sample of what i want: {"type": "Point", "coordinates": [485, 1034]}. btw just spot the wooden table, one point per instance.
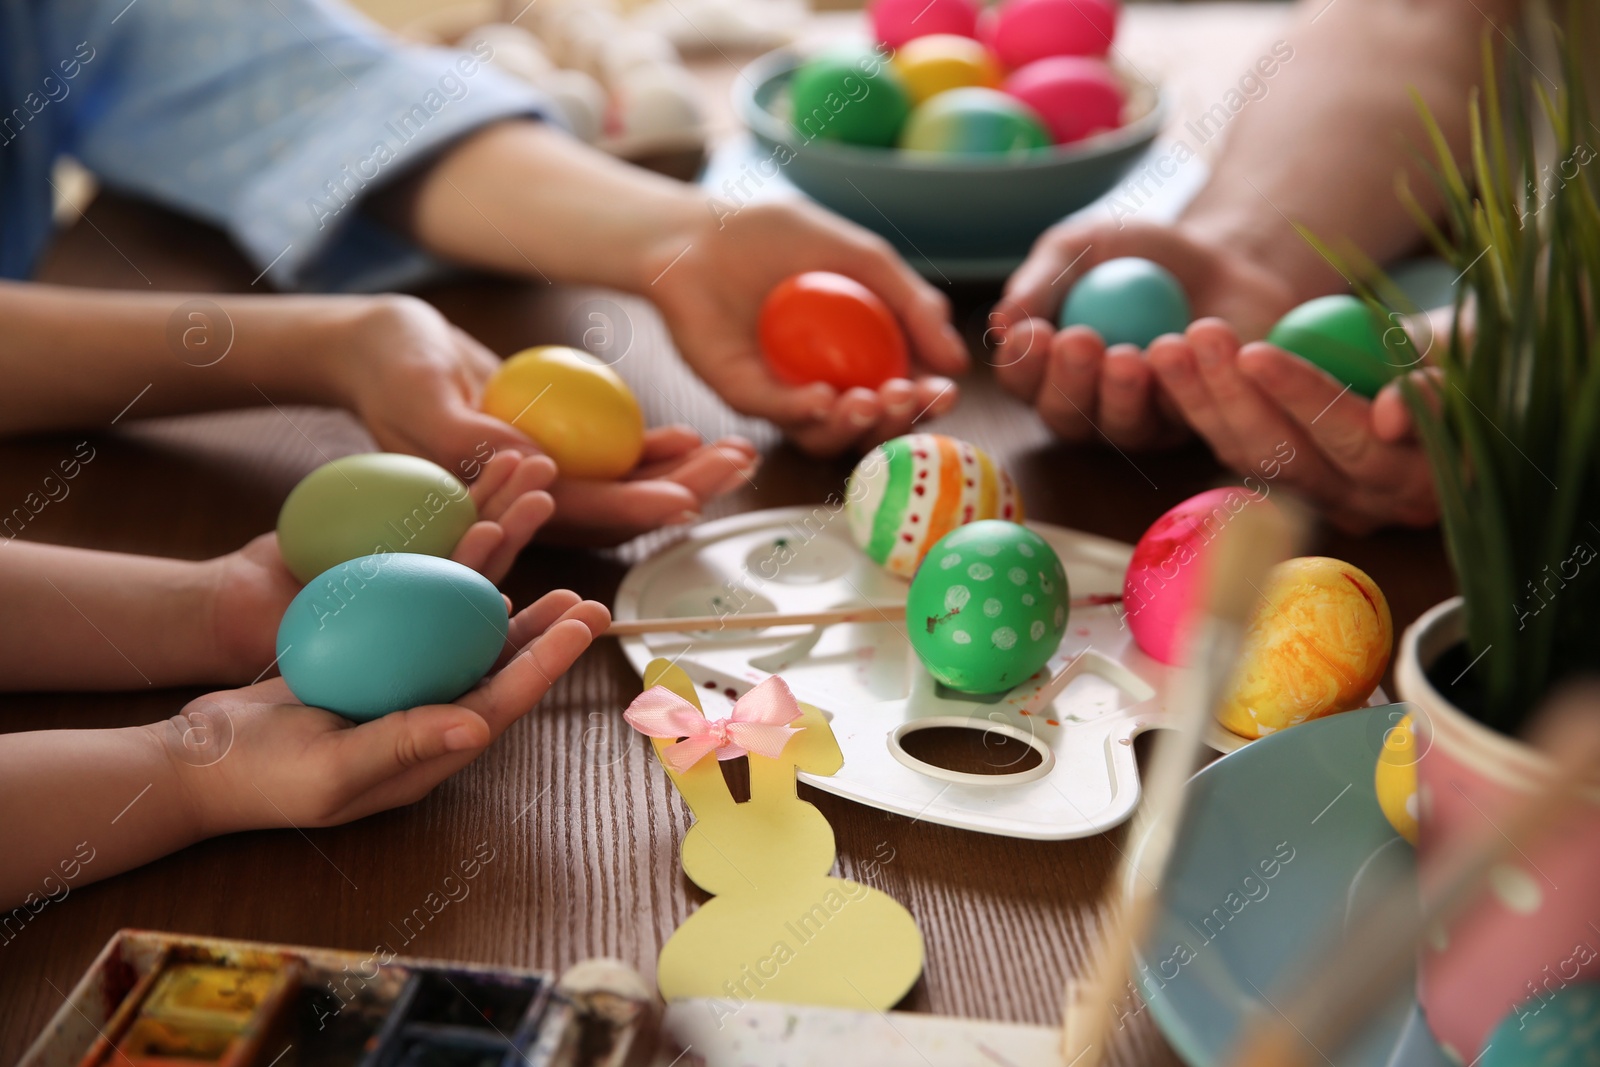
{"type": "Point", "coordinates": [585, 829]}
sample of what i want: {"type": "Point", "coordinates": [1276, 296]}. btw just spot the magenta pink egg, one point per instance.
{"type": "Point", "coordinates": [1077, 96]}
{"type": "Point", "coordinates": [1164, 582]}
{"type": "Point", "coordinates": [897, 21]}
{"type": "Point", "coordinates": [1021, 31]}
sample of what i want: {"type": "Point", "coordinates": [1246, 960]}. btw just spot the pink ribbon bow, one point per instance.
{"type": "Point", "coordinates": [759, 724]}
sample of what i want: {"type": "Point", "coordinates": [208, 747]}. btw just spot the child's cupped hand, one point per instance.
{"type": "Point", "coordinates": [255, 758]}
{"type": "Point", "coordinates": [416, 381]}
{"type": "Point", "coordinates": [254, 586]}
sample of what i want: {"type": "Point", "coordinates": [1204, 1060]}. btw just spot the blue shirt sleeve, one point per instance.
{"type": "Point", "coordinates": [274, 119]}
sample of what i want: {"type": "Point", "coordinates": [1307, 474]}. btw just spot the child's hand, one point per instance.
{"type": "Point", "coordinates": [416, 381]}
{"type": "Point", "coordinates": [675, 478]}
{"type": "Point", "coordinates": [1289, 425]}
{"type": "Point", "coordinates": [1084, 391]}
{"type": "Point", "coordinates": [254, 586]}
{"type": "Point", "coordinates": [254, 758]}
{"type": "Point", "coordinates": [710, 283]}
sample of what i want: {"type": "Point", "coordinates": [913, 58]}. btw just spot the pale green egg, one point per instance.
{"type": "Point", "coordinates": [373, 502]}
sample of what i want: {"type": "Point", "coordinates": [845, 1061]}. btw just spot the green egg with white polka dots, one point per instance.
{"type": "Point", "coordinates": [987, 607]}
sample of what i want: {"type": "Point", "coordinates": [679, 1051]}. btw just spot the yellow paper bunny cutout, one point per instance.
{"type": "Point", "coordinates": [778, 927]}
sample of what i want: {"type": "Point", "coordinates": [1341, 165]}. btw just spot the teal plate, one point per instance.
{"type": "Point", "coordinates": [1283, 849]}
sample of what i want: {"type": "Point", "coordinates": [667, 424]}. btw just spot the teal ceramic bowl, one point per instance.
{"type": "Point", "coordinates": [937, 207]}
{"type": "Point", "coordinates": [1284, 847]}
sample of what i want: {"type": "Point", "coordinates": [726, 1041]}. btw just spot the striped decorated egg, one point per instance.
{"type": "Point", "coordinates": [907, 493]}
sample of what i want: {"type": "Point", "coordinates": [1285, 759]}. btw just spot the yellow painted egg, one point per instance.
{"type": "Point", "coordinates": [574, 407]}
{"type": "Point", "coordinates": [1319, 644]}
{"type": "Point", "coordinates": [942, 61]}
{"type": "Point", "coordinates": [1396, 779]}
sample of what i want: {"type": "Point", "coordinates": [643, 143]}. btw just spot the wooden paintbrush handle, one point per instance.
{"type": "Point", "coordinates": [762, 620]}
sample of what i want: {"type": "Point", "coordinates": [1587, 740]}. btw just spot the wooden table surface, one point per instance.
{"type": "Point", "coordinates": [584, 828]}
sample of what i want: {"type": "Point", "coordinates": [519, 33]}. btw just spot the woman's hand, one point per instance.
{"type": "Point", "coordinates": [255, 757]}
{"type": "Point", "coordinates": [1084, 391]}
{"type": "Point", "coordinates": [710, 280]}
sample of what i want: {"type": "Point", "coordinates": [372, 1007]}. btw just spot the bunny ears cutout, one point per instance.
{"type": "Point", "coordinates": [759, 724]}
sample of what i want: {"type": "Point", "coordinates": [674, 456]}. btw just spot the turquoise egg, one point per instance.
{"type": "Point", "coordinates": [974, 121]}
{"type": "Point", "coordinates": [388, 632]}
{"type": "Point", "coordinates": [1560, 1029]}
{"type": "Point", "coordinates": [851, 95]}
{"type": "Point", "coordinates": [1127, 301]}
{"type": "Point", "coordinates": [372, 502]}
{"type": "Point", "coordinates": [987, 607]}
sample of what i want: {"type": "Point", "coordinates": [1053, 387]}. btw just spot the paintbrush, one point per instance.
{"type": "Point", "coordinates": [1255, 540]}
{"type": "Point", "coordinates": [762, 620]}
{"type": "Point", "coordinates": [1359, 975]}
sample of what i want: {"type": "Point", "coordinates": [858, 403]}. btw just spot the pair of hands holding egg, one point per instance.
{"type": "Point", "coordinates": [1252, 402]}
{"type": "Point", "coordinates": [418, 383]}
{"type": "Point", "coordinates": [258, 757]}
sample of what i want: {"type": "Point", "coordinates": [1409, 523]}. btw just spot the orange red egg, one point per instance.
{"type": "Point", "coordinates": [825, 327]}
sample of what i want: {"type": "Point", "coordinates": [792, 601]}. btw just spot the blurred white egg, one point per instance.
{"type": "Point", "coordinates": [706, 25]}
{"type": "Point", "coordinates": [546, 14]}
{"type": "Point", "coordinates": [580, 99]}
{"type": "Point", "coordinates": [586, 48]}
{"type": "Point", "coordinates": [512, 49]}
{"type": "Point", "coordinates": [657, 101]}
{"type": "Point", "coordinates": [635, 49]}
{"type": "Point", "coordinates": [579, 30]}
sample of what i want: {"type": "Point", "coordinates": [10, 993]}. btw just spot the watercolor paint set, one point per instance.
{"type": "Point", "coordinates": [170, 1000]}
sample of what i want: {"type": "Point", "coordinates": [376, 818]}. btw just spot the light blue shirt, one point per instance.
{"type": "Point", "coordinates": [271, 119]}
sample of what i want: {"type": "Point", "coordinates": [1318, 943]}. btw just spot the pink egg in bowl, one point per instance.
{"type": "Point", "coordinates": [1021, 31]}
{"type": "Point", "coordinates": [1075, 95]}
{"type": "Point", "coordinates": [894, 22]}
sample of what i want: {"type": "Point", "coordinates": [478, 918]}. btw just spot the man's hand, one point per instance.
{"type": "Point", "coordinates": [1270, 414]}
{"type": "Point", "coordinates": [1083, 390]}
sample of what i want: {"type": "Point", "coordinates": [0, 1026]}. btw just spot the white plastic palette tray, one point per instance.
{"type": "Point", "coordinates": [874, 689]}
{"type": "Point", "coordinates": [875, 692]}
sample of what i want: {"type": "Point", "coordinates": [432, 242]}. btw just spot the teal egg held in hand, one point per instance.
{"type": "Point", "coordinates": [388, 632]}
{"type": "Point", "coordinates": [1343, 336]}
{"type": "Point", "coordinates": [372, 502]}
{"type": "Point", "coordinates": [1127, 301]}
{"type": "Point", "coordinates": [851, 95]}
{"type": "Point", "coordinates": [988, 606]}
{"type": "Point", "coordinates": [974, 121]}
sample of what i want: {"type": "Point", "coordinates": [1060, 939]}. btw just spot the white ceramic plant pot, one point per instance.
{"type": "Point", "coordinates": [1537, 927]}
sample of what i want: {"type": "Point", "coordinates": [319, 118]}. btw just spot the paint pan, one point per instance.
{"type": "Point", "coordinates": [450, 1018]}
